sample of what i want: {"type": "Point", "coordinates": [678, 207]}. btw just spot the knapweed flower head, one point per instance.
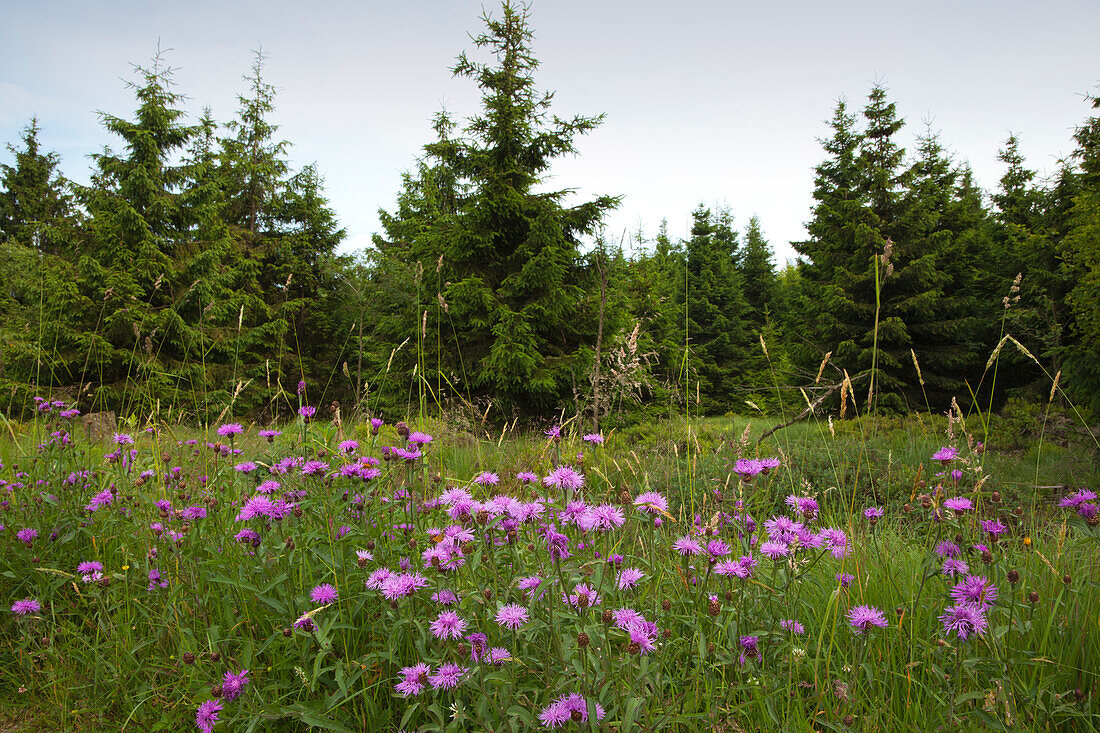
{"type": "Point", "coordinates": [270, 435]}
{"type": "Point", "coordinates": [959, 504]}
{"type": "Point", "coordinates": [233, 684]}
{"type": "Point", "coordinates": [746, 468]}
{"type": "Point", "coordinates": [123, 439]}
{"type": "Point", "coordinates": [26, 606]}
{"type": "Point", "coordinates": [324, 593]}
{"type": "Point", "coordinates": [307, 411]}
{"type": "Point", "coordinates": [245, 467]}
{"type": "Point", "coordinates": [964, 619]}
{"type": "Point", "coordinates": [527, 477]}
{"type": "Point", "coordinates": [775, 550]}
{"type": "Point", "coordinates": [418, 438]}
{"type": "Point", "coordinates": [953, 566]}
{"type": "Point", "coordinates": [792, 626]}
{"type": "Point", "coordinates": [512, 616]}
{"type": "Point", "coordinates": [26, 535]}
{"type": "Point", "coordinates": [562, 710]}
{"type": "Point", "coordinates": [975, 589]}
{"type": "Point", "coordinates": [629, 577]}
{"type": "Point", "coordinates": [1074, 501]}
{"type": "Point", "coordinates": [231, 428]}
{"type": "Point", "coordinates": [582, 597]}
{"type": "Point", "coordinates": [207, 715]}
{"type": "Point", "coordinates": [688, 546]}
{"type": "Point", "coordinates": [593, 438]}
{"type": "Point", "coordinates": [447, 676]}
{"type": "Point", "coordinates": [994, 527]}
{"type": "Point", "coordinates": [862, 618]}
{"type": "Point", "coordinates": [651, 502]}
{"type": "Point", "coordinates": [873, 512]}
{"type": "Point", "coordinates": [413, 680]}
{"type": "Point", "coordinates": [946, 454]}
{"type": "Point", "coordinates": [487, 478]}
{"type": "Point", "coordinates": [445, 597]}
{"type": "Point", "coordinates": [448, 625]}
{"type": "Point", "coordinates": [90, 571]}
{"type": "Point", "coordinates": [806, 506]}
{"type": "Point", "coordinates": [347, 447]}
{"type": "Point", "coordinates": [845, 579]}
{"type": "Point", "coordinates": [553, 432]}
{"type": "Point", "coordinates": [564, 477]}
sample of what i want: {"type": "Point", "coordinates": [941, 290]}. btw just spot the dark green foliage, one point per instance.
{"type": "Point", "coordinates": [500, 258]}
{"type": "Point", "coordinates": [36, 208]}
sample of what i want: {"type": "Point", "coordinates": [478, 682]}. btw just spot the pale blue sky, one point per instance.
{"type": "Point", "coordinates": [720, 102]}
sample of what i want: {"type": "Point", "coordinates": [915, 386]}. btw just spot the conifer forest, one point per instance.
{"type": "Point", "coordinates": [507, 469]}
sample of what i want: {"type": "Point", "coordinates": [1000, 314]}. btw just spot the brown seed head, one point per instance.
{"type": "Point", "coordinates": [583, 640]}
{"type": "Point", "coordinates": [1032, 597]}
{"type": "Point", "coordinates": [1066, 579]}
{"type": "Point", "coordinates": [216, 691]}
{"type": "Point", "coordinates": [188, 658]}
{"type": "Point", "coordinates": [607, 617]}
{"type": "Point", "coordinates": [1013, 576]}
{"type": "Point", "coordinates": [666, 604]}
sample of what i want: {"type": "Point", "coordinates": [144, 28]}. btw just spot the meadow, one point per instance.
{"type": "Point", "coordinates": [868, 574]}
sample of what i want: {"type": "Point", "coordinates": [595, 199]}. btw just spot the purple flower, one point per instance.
{"type": "Point", "coordinates": [651, 502]}
{"type": "Point", "coordinates": [246, 467]}
{"type": "Point", "coordinates": [863, 618]}
{"type": "Point", "coordinates": [954, 566]}
{"type": "Point", "coordinates": [487, 478]}
{"type": "Point", "coordinates": [232, 684]}
{"type": "Point", "coordinates": [448, 625]}
{"type": "Point", "coordinates": [993, 527]}
{"type": "Point", "coordinates": [593, 438]}
{"type": "Point", "coordinates": [835, 541]}
{"type": "Point", "coordinates": [946, 454]}
{"type": "Point", "coordinates": [746, 468]}
{"type": "Point", "coordinates": [528, 585]}
{"type": "Point", "coordinates": [271, 435]}
{"type": "Point", "coordinates": [527, 477]}
{"type": "Point", "coordinates": [873, 512]}
{"type": "Point", "coordinates": [349, 446]}
{"type": "Point", "coordinates": [775, 550]}
{"type": "Point", "coordinates": [947, 548]}
{"type": "Point", "coordinates": [688, 545]}
{"type": "Point", "coordinates": [564, 477]}
{"type": "Point", "coordinates": [804, 505]}
{"type": "Point", "coordinates": [629, 577]}
{"type": "Point", "coordinates": [512, 616]}
{"type": "Point", "coordinates": [582, 591]}
{"type": "Point", "coordinates": [26, 606]}
{"type": "Point", "coordinates": [90, 571]}
{"type": "Point", "coordinates": [445, 598]}
{"type": "Point", "coordinates": [323, 594]}
{"type": "Point", "coordinates": [414, 680]}
{"type": "Point", "coordinates": [418, 438]}
{"type": "Point", "coordinates": [27, 535]}
{"type": "Point", "coordinates": [155, 580]}
{"type": "Point", "coordinates": [307, 411]}
{"type": "Point", "coordinates": [959, 504]}
{"type": "Point", "coordinates": [1074, 501]}
{"type": "Point", "coordinates": [554, 432]}
{"type": "Point", "coordinates": [975, 589]}
{"type": "Point", "coordinates": [498, 655]}
{"type": "Point", "coordinates": [232, 428]}
{"type": "Point", "coordinates": [207, 715]}
{"type": "Point", "coordinates": [447, 676]}
{"type": "Point", "coordinates": [845, 579]}
{"type": "Point", "coordinates": [123, 439]}
{"type": "Point", "coordinates": [964, 619]}
{"type": "Point", "coordinates": [561, 710]}
{"type": "Point", "coordinates": [377, 422]}
{"type": "Point", "coordinates": [792, 626]}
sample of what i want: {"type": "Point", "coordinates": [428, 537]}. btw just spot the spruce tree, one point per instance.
{"type": "Point", "coordinates": [36, 208]}
{"type": "Point", "coordinates": [758, 274]}
{"type": "Point", "coordinates": [503, 261]}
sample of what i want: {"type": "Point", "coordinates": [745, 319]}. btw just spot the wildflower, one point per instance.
{"type": "Point", "coordinates": [487, 478]}
{"type": "Point", "coordinates": [155, 580]}
{"type": "Point", "coordinates": [792, 626]}
{"type": "Point", "coordinates": [643, 636]}
{"type": "Point", "coordinates": [499, 655]}
{"type": "Point", "coordinates": [554, 432]}
{"type": "Point", "coordinates": [301, 386]}
{"type": "Point", "coordinates": [26, 606]}
{"type": "Point", "coordinates": [964, 619]}
{"type": "Point", "coordinates": [233, 428]}
{"type": "Point", "coordinates": [993, 527]}
{"type": "Point", "coordinates": [123, 439]}
{"type": "Point", "coordinates": [946, 454]}
{"type": "Point", "coordinates": [528, 585]}
{"type": "Point", "coordinates": [193, 512]}
{"type": "Point", "coordinates": [527, 477]}
{"type": "Point", "coordinates": [863, 618]}
{"type": "Point", "coordinates": [307, 411]}
{"type": "Point", "coordinates": [718, 548]}
{"type": "Point", "coordinates": [629, 577]}
{"type": "Point", "coordinates": [954, 566]}
{"type": "Point", "coordinates": [975, 589]}
{"type": "Point", "coordinates": [376, 423]}
{"type": "Point", "coordinates": [448, 625]}
{"type": "Point", "coordinates": [775, 550]}
{"type": "Point", "coordinates": [100, 500]}
{"type": "Point", "coordinates": [248, 537]}
{"type": "Point", "coordinates": [651, 502]}
{"type": "Point", "coordinates": [767, 464]}
{"type": "Point", "coordinates": [256, 506]}
{"type": "Point", "coordinates": [1074, 501]}
{"type": "Point", "coordinates": [408, 454]}
{"type": "Point", "coordinates": [557, 544]}
{"type": "Point", "coordinates": [804, 505]}
{"type": "Point", "coordinates": [512, 616]}
{"type": "Point", "coordinates": [323, 594]}
{"type": "Point", "coordinates": [835, 541]}
{"type": "Point", "coordinates": [447, 676]}
{"type": "Point", "coordinates": [582, 597]}
{"type": "Point", "coordinates": [232, 684]}
{"type": "Point", "coordinates": [270, 435]}
{"type": "Point", "coordinates": [27, 535]}
{"type": "Point", "coordinates": [304, 622]}
{"type": "Point", "coordinates": [561, 710]}
{"type": "Point", "coordinates": [418, 438]}
{"type": "Point", "coordinates": [959, 504]}
{"type": "Point", "coordinates": [414, 680]}
{"type": "Point", "coordinates": [90, 571]}
{"type": "Point", "coordinates": [947, 548]}
{"type": "Point", "coordinates": [312, 468]}
{"type": "Point", "coordinates": [593, 438]}
{"type": "Point", "coordinates": [479, 646]}
{"type": "Point", "coordinates": [845, 579]}
{"type": "Point", "coordinates": [347, 447]}
{"type": "Point", "coordinates": [750, 647]}
{"type": "Point", "coordinates": [687, 545]}
{"type": "Point", "coordinates": [207, 715]}
{"type": "Point", "coordinates": [873, 512]}
{"type": "Point", "coordinates": [746, 468]}
{"type": "Point", "coordinates": [727, 568]}
{"type": "Point", "coordinates": [564, 477]}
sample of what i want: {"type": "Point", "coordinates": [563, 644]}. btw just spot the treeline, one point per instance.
{"type": "Point", "coordinates": [198, 270]}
